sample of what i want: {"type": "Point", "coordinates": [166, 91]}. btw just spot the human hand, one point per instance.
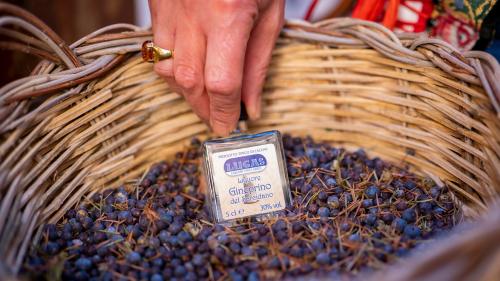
{"type": "Point", "coordinates": [222, 49]}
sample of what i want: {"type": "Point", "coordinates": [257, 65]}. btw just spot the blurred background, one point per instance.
{"type": "Point", "coordinates": [466, 24]}
{"type": "Point", "coordinates": [71, 19]}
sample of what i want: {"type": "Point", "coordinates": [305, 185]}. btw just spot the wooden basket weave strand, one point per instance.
{"type": "Point", "coordinates": [92, 114]}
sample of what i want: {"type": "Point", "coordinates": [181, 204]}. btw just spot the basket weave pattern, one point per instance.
{"type": "Point", "coordinates": [93, 115]}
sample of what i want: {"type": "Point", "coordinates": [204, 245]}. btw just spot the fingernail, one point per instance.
{"type": "Point", "coordinates": [221, 128]}
{"type": "Point", "coordinates": [258, 107]}
{"type": "Point", "coordinates": [255, 110]}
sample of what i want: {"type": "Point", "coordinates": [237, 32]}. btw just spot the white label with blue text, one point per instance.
{"type": "Point", "coordinates": [247, 181]}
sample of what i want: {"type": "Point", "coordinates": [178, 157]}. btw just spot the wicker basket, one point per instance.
{"type": "Point", "coordinates": [93, 115]}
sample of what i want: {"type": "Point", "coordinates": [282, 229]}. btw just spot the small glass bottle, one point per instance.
{"type": "Point", "coordinates": [246, 176]}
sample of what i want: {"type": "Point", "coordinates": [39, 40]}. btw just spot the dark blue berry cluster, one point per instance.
{"type": "Point", "coordinates": [349, 212]}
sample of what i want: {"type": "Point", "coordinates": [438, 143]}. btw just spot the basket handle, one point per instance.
{"type": "Point", "coordinates": [14, 15]}
{"type": "Point", "coordinates": [38, 39]}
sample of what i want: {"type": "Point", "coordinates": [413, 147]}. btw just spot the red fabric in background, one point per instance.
{"type": "Point", "coordinates": [424, 16]}
{"type": "Point", "coordinates": [387, 13]}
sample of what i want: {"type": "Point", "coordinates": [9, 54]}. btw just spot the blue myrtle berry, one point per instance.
{"type": "Point", "coordinates": [323, 212]}
{"type": "Point", "coordinates": [331, 182]}
{"type": "Point", "coordinates": [156, 277]}
{"type": "Point", "coordinates": [399, 193]}
{"type": "Point", "coordinates": [317, 244]}
{"type": "Point", "coordinates": [439, 211]}
{"type": "Point", "coordinates": [355, 237]}
{"type": "Point", "coordinates": [412, 231]}
{"type": "Point", "coordinates": [425, 207]}
{"type": "Point", "coordinates": [51, 248]}
{"type": "Point", "coordinates": [333, 201]}
{"type": "Point", "coordinates": [83, 263]}
{"type": "Point", "coordinates": [247, 251]}
{"type": "Point", "coordinates": [410, 185]}
{"type": "Point", "coordinates": [253, 276]}
{"type": "Point", "coordinates": [133, 257]}
{"type": "Point", "coordinates": [367, 203]}
{"type": "Point", "coordinates": [409, 215]}
{"type": "Point", "coordinates": [399, 224]}
{"type": "Point", "coordinates": [323, 258]}
{"type": "Point", "coordinates": [372, 191]}
{"type": "Point", "coordinates": [371, 219]}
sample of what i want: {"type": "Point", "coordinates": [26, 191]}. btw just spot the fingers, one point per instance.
{"type": "Point", "coordinates": [188, 65]}
{"type": "Point", "coordinates": [212, 51]}
{"type": "Point", "coordinates": [226, 46]}
{"type": "Point", "coordinates": [258, 56]}
{"type": "Point", "coordinates": [164, 26]}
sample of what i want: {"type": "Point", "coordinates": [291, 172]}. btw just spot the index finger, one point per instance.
{"type": "Point", "coordinates": [226, 48]}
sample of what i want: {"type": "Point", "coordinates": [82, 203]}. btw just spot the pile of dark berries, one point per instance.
{"type": "Point", "coordinates": [349, 213]}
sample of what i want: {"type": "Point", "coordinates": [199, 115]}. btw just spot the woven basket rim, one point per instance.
{"type": "Point", "coordinates": [349, 32]}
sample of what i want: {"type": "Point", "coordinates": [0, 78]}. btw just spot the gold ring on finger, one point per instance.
{"type": "Point", "coordinates": [152, 53]}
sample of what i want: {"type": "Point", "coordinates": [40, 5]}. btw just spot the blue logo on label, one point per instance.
{"type": "Point", "coordinates": [245, 164]}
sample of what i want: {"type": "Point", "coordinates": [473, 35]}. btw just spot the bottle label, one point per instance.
{"type": "Point", "coordinates": [247, 181]}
